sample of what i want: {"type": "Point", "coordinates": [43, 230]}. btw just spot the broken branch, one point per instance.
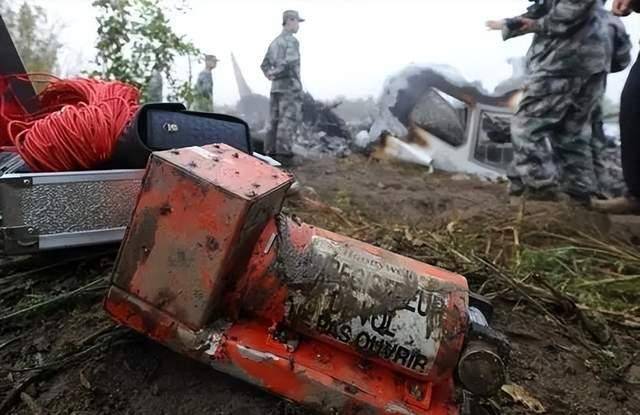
{"type": "Point", "coordinates": [58, 299]}
{"type": "Point", "coordinates": [517, 287]}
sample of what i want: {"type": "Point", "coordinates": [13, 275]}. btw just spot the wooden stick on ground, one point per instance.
{"type": "Point", "coordinates": [519, 289]}
{"type": "Point", "coordinates": [60, 298]}
{"type": "Point", "coordinates": [32, 404]}
{"type": "Point", "coordinates": [11, 341]}
{"type": "Point", "coordinates": [17, 276]}
{"type": "Point", "coordinates": [10, 399]}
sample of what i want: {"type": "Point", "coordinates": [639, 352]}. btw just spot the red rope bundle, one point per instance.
{"type": "Point", "coordinates": [80, 122]}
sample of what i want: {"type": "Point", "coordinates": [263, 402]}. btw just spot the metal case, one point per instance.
{"type": "Point", "coordinates": [41, 211]}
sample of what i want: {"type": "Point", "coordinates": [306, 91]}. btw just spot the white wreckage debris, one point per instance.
{"type": "Point", "coordinates": [390, 147]}
{"type": "Point", "coordinates": [444, 118]}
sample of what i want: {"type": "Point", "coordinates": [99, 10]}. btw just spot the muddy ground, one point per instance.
{"type": "Point", "coordinates": [123, 373]}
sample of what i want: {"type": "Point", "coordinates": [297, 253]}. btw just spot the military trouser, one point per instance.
{"type": "Point", "coordinates": [551, 134]}
{"type": "Point", "coordinates": [202, 103]}
{"type": "Point", "coordinates": [286, 116]}
{"type": "Point", "coordinates": [607, 167]}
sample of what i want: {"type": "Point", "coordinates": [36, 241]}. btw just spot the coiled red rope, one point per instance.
{"type": "Point", "coordinates": [78, 125]}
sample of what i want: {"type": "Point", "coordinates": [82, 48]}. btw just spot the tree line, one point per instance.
{"type": "Point", "coordinates": [134, 40]}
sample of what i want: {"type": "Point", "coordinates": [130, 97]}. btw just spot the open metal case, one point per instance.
{"type": "Point", "coordinates": [40, 211]}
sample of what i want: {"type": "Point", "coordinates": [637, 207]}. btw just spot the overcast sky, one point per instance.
{"type": "Point", "coordinates": [349, 47]}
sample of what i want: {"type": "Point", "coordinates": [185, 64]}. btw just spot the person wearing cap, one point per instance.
{"type": "Point", "coordinates": [203, 101]}
{"type": "Point", "coordinates": [281, 65]}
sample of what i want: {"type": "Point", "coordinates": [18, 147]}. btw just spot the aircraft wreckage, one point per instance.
{"type": "Point", "coordinates": [445, 118]}
{"type": "Point", "coordinates": [427, 115]}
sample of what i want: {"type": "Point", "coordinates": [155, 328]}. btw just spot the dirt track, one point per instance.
{"type": "Point", "coordinates": [138, 377]}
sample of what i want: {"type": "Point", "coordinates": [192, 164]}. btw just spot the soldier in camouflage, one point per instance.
{"type": "Point", "coordinates": [566, 70]}
{"type": "Point", "coordinates": [281, 65]}
{"type": "Point", "coordinates": [608, 177]}
{"type": "Point", "coordinates": [203, 99]}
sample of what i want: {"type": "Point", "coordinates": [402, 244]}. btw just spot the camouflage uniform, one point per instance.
{"type": "Point", "coordinates": [608, 176]}
{"type": "Point", "coordinates": [551, 130]}
{"type": "Point", "coordinates": [282, 64]}
{"type": "Point", "coordinates": [203, 100]}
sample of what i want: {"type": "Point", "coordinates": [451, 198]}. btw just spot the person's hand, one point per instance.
{"type": "Point", "coordinates": [622, 7]}
{"type": "Point", "coordinates": [495, 24]}
{"type": "Point", "coordinates": [526, 24]}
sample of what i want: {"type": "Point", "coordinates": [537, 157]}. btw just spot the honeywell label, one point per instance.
{"type": "Point", "coordinates": [375, 305]}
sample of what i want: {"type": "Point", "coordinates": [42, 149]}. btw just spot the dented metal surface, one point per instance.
{"type": "Point", "coordinates": [189, 267]}
{"type": "Point", "coordinates": [378, 303]}
{"type": "Point", "coordinates": [256, 355]}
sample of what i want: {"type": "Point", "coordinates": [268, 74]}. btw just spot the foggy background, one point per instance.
{"type": "Point", "coordinates": [349, 47]}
